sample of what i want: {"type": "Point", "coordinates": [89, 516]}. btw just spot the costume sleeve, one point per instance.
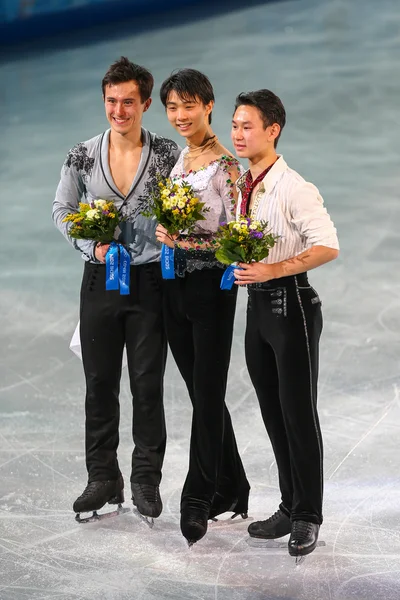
{"type": "Point", "coordinates": [311, 218]}
{"type": "Point", "coordinates": [176, 152]}
{"type": "Point", "coordinates": [69, 192]}
{"type": "Point", "coordinates": [224, 182]}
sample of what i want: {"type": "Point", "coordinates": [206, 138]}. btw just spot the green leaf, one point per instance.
{"type": "Point", "coordinates": [226, 257]}
{"type": "Point", "coordinates": [240, 251]}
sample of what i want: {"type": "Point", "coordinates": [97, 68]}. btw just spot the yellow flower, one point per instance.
{"type": "Point", "coordinates": [111, 215]}
{"type": "Point", "coordinates": [167, 204]}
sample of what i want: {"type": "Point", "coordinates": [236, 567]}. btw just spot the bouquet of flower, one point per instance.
{"type": "Point", "coordinates": [98, 221]}
{"type": "Point", "coordinates": [94, 221]}
{"type": "Point", "coordinates": [174, 204]}
{"type": "Point", "coordinates": [176, 207]}
{"type": "Point", "coordinates": [246, 240]}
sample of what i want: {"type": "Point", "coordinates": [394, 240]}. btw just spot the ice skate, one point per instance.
{"type": "Point", "coordinates": [233, 519]}
{"type": "Point", "coordinates": [194, 520]}
{"type": "Point", "coordinates": [193, 526]}
{"type": "Point", "coordinates": [147, 501]}
{"type": "Point", "coordinates": [303, 539]}
{"type": "Point", "coordinates": [95, 496]}
{"type": "Point", "coordinates": [276, 526]}
{"type": "Point", "coordinates": [239, 507]}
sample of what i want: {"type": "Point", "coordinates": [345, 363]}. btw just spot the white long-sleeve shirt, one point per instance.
{"type": "Point", "coordinates": [294, 210]}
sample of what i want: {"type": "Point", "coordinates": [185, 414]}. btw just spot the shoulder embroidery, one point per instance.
{"type": "Point", "coordinates": [162, 160]}
{"type": "Point", "coordinates": [161, 163]}
{"type": "Point", "coordinates": [163, 157]}
{"type": "Point", "coordinates": [227, 164]}
{"type": "Point", "coordinates": [78, 157]}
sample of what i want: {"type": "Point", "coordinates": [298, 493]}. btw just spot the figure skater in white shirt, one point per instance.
{"type": "Point", "coordinates": [284, 319]}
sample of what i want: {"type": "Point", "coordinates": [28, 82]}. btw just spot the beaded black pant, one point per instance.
{"type": "Point", "coordinates": [284, 323]}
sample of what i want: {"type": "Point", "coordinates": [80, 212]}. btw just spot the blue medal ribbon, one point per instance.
{"type": "Point", "coordinates": [117, 269]}
{"type": "Point", "coordinates": [112, 281]}
{"type": "Point", "coordinates": [124, 270]}
{"type": "Point", "coordinates": [228, 278]}
{"type": "Point", "coordinates": [167, 262]}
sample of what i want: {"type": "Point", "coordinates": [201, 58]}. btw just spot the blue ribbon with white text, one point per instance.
{"type": "Point", "coordinates": [228, 278]}
{"type": "Point", "coordinates": [118, 269]}
{"type": "Point", "coordinates": [168, 262]}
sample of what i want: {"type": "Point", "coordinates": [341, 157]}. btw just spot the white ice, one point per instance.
{"type": "Point", "coordinates": [336, 66]}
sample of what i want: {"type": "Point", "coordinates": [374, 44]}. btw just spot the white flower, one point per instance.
{"type": "Point", "coordinates": [100, 203]}
{"type": "Point", "coordinates": [92, 214]}
{"type": "Point", "coordinates": [180, 204]}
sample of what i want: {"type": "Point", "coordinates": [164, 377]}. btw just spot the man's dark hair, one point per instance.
{"type": "Point", "coordinates": [124, 70]}
{"type": "Point", "coordinates": [190, 85]}
{"type": "Point", "coordinates": [269, 106]}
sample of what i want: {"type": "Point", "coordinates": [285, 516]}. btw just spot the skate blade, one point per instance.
{"type": "Point", "coordinates": [274, 544]}
{"type": "Point", "coordinates": [243, 515]}
{"type": "Point", "coordinates": [148, 520]}
{"type": "Point", "coordinates": [230, 519]}
{"type": "Point", "coordinates": [95, 517]}
{"type": "Point", "coordinates": [301, 557]}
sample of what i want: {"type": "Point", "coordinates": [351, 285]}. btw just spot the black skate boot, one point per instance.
{"type": "Point", "coordinates": [275, 527]}
{"type": "Point", "coordinates": [96, 495]}
{"type": "Point", "coordinates": [147, 499]}
{"type": "Point", "coordinates": [194, 520]}
{"type": "Point", "coordinates": [303, 539]}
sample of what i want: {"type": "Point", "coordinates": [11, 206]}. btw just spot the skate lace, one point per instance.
{"type": "Point", "coordinates": [301, 529]}
{"type": "Point", "coordinates": [89, 489]}
{"type": "Point", "coordinates": [275, 517]}
{"type": "Point", "coordinates": [150, 492]}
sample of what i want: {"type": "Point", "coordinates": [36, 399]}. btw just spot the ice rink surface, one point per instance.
{"type": "Point", "coordinates": [336, 66]}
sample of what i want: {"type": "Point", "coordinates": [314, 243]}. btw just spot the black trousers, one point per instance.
{"type": "Point", "coordinates": [199, 321]}
{"type": "Point", "coordinates": [109, 322]}
{"type": "Point", "coordinates": [284, 323]}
